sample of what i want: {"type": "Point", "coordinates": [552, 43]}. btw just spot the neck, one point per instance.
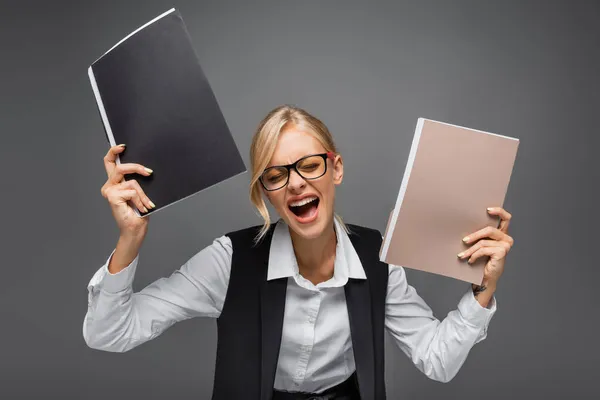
{"type": "Point", "coordinates": [316, 257]}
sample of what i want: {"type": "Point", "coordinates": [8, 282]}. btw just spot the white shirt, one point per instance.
{"type": "Point", "coordinates": [316, 346]}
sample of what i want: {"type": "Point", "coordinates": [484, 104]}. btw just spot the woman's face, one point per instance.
{"type": "Point", "coordinates": [310, 220]}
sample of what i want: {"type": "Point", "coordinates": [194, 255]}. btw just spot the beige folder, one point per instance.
{"type": "Point", "coordinates": [453, 174]}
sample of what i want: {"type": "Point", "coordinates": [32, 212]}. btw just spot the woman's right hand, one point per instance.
{"type": "Point", "coordinates": [118, 192]}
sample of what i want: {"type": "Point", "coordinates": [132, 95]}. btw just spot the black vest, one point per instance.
{"type": "Point", "coordinates": [251, 321]}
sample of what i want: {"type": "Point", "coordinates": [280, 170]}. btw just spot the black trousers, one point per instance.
{"type": "Point", "coordinates": [347, 390]}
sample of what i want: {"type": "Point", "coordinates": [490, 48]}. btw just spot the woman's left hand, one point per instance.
{"type": "Point", "coordinates": [496, 244]}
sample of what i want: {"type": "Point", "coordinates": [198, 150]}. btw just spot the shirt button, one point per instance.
{"type": "Point", "coordinates": [311, 319]}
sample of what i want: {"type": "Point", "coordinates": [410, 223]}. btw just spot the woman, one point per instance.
{"type": "Point", "coordinates": [302, 304]}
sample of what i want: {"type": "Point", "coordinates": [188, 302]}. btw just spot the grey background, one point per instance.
{"type": "Point", "coordinates": [369, 70]}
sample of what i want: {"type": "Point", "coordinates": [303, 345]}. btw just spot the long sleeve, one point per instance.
{"type": "Point", "coordinates": [437, 348]}
{"type": "Point", "coordinates": [118, 319]}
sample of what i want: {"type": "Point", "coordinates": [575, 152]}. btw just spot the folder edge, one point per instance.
{"type": "Point", "coordinates": [411, 159]}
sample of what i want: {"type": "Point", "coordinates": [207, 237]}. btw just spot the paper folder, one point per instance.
{"type": "Point", "coordinates": [452, 175]}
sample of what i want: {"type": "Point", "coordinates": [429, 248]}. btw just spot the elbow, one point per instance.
{"type": "Point", "coordinates": [91, 340]}
{"type": "Point", "coordinates": [437, 367]}
{"type": "Point", "coordinates": [95, 341]}
{"type": "Point", "coordinates": [442, 378]}
{"type": "Point", "coordinates": [104, 345]}
{"type": "Point", "coordinates": [439, 374]}
{"type": "Point", "coordinates": [88, 337]}
{"type": "Point", "coordinates": [92, 344]}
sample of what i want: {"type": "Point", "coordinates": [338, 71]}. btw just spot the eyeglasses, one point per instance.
{"type": "Point", "coordinates": [309, 167]}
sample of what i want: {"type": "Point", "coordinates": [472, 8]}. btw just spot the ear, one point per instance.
{"type": "Point", "coordinates": [338, 169]}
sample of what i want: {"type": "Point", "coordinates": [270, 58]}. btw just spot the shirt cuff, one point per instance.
{"type": "Point", "coordinates": [473, 312]}
{"type": "Point", "coordinates": [114, 283]}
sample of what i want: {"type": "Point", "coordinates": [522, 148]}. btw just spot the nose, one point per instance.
{"type": "Point", "coordinates": [296, 181]}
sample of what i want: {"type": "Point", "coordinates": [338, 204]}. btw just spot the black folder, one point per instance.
{"type": "Point", "coordinates": [153, 95]}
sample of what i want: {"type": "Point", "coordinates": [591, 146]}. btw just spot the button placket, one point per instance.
{"type": "Point", "coordinates": [309, 337]}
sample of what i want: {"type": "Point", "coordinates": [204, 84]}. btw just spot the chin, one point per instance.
{"type": "Point", "coordinates": [307, 232]}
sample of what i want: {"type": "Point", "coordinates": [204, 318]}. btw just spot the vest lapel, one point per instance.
{"type": "Point", "coordinates": [272, 306]}
{"type": "Point", "coordinates": [358, 301]}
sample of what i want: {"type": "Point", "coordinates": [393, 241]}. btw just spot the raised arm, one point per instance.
{"type": "Point", "coordinates": [118, 319]}
{"type": "Point", "coordinates": [437, 348]}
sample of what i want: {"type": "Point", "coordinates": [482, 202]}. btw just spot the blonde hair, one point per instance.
{"type": "Point", "coordinates": [263, 146]}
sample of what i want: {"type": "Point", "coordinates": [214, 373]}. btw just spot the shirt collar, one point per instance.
{"type": "Point", "coordinates": [283, 263]}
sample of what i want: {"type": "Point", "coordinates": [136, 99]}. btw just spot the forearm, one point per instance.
{"type": "Point", "coordinates": [437, 348]}
{"type": "Point", "coordinates": [440, 348]}
{"type": "Point", "coordinates": [114, 321]}
{"type": "Point", "coordinates": [119, 319]}
{"type": "Point", "coordinates": [111, 325]}
{"type": "Point", "coordinates": [484, 292]}
{"type": "Point", "coordinates": [126, 250]}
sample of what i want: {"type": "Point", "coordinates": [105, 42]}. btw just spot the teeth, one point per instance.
{"type": "Point", "coordinates": [303, 201]}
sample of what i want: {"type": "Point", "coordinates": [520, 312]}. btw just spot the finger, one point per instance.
{"type": "Point", "coordinates": [133, 184]}
{"type": "Point", "coordinates": [118, 194]}
{"type": "Point", "coordinates": [482, 243]}
{"type": "Point", "coordinates": [504, 215]}
{"type": "Point", "coordinates": [110, 159]}
{"type": "Point", "coordinates": [487, 232]}
{"type": "Point", "coordinates": [494, 252]}
{"type": "Point", "coordinates": [134, 197]}
{"type": "Point", "coordinates": [129, 168]}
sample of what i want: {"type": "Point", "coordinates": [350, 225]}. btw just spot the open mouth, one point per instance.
{"type": "Point", "coordinates": [305, 208]}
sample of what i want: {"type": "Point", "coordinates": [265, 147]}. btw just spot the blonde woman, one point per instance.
{"type": "Point", "coordinates": [301, 304]}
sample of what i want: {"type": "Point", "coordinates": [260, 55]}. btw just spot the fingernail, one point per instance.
{"type": "Point", "coordinates": [152, 204]}
{"type": "Point", "coordinates": [466, 239]}
{"type": "Point", "coordinates": [148, 170]}
{"type": "Point", "coordinates": [145, 210]}
{"type": "Point", "coordinates": [122, 145]}
{"type": "Point", "coordinates": [461, 254]}
{"type": "Point", "coordinates": [489, 208]}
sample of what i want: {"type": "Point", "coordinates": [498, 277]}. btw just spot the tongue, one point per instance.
{"type": "Point", "coordinates": [305, 210]}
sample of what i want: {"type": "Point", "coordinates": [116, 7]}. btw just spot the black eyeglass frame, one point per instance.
{"type": "Point", "coordinates": [289, 167]}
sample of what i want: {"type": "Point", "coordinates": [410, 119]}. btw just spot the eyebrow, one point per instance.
{"type": "Point", "coordinates": [281, 164]}
{"type": "Point", "coordinates": [316, 152]}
